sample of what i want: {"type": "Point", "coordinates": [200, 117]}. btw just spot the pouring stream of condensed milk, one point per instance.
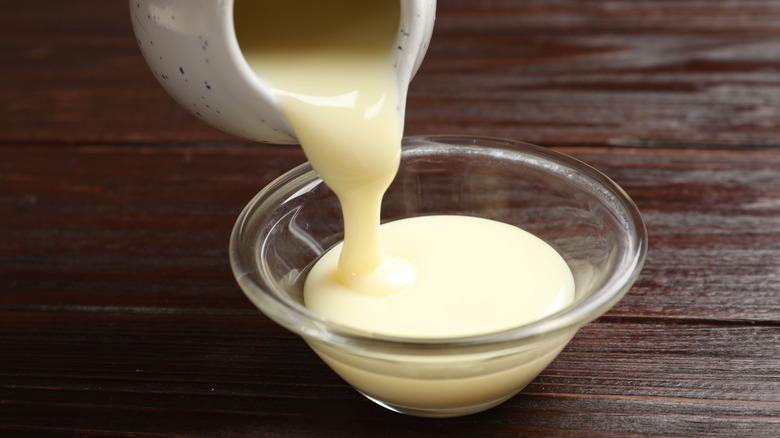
{"type": "Point", "coordinates": [330, 65]}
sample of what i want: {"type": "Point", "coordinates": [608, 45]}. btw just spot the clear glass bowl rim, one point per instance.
{"type": "Point", "coordinates": [299, 320]}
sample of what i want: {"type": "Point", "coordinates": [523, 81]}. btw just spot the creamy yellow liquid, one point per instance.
{"type": "Point", "coordinates": [331, 66]}
{"type": "Point", "coordinates": [474, 276]}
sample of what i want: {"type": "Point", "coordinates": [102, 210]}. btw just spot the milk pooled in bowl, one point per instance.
{"type": "Point", "coordinates": [331, 65]}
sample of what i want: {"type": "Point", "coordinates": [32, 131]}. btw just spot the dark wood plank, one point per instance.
{"type": "Point", "coordinates": [185, 375]}
{"type": "Point", "coordinates": [119, 315]}
{"type": "Point", "coordinates": [713, 219]}
{"type": "Point", "coordinates": [76, 75]}
{"type": "Point", "coordinates": [624, 73]}
{"type": "Point", "coordinates": [126, 227]}
{"type": "Point", "coordinates": [148, 227]}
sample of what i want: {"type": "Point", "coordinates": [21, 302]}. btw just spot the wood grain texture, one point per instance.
{"type": "Point", "coordinates": [565, 72]}
{"type": "Point", "coordinates": [713, 219]}
{"type": "Point", "coordinates": [93, 225]}
{"type": "Point", "coordinates": [225, 375]}
{"type": "Point", "coordinates": [624, 73]}
{"type": "Point", "coordinates": [119, 315]}
{"type": "Point", "coordinates": [107, 219]}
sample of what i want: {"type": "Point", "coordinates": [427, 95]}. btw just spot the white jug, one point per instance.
{"type": "Point", "coordinates": [192, 49]}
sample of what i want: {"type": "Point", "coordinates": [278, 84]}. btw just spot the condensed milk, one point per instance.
{"type": "Point", "coordinates": [331, 67]}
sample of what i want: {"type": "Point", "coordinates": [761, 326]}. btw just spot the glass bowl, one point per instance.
{"type": "Point", "coordinates": [580, 212]}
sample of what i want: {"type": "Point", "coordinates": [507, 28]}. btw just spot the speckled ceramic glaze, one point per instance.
{"type": "Point", "coordinates": [191, 47]}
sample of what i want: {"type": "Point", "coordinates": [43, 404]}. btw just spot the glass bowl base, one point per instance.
{"type": "Point", "coordinates": [439, 413]}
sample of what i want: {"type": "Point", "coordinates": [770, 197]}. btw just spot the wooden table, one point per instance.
{"type": "Point", "coordinates": [119, 315]}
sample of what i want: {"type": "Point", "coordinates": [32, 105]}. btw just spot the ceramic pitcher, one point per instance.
{"type": "Point", "coordinates": [192, 50]}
